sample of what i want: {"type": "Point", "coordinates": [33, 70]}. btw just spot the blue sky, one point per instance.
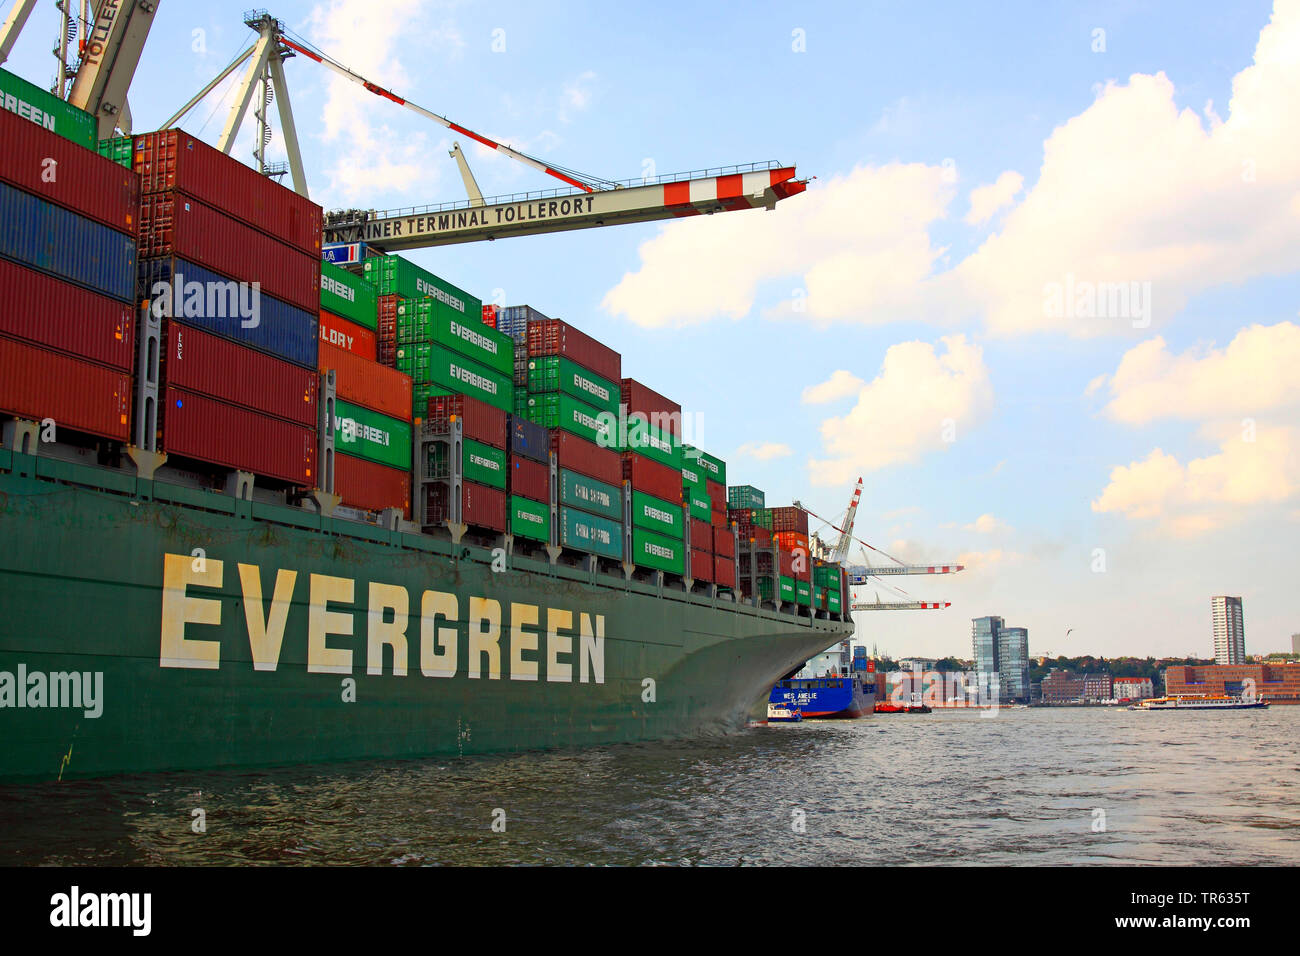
{"type": "Point", "coordinates": [901, 112]}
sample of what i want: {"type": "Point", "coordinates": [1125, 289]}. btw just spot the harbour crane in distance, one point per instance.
{"type": "Point", "coordinates": [860, 574]}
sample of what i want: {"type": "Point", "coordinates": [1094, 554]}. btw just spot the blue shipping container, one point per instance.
{"type": "Point", "coordinates": [282, 330]}
{"type": "Point", "coordinates": [529, 439]}
{"type": "Point", "coordinates": [53, 240]}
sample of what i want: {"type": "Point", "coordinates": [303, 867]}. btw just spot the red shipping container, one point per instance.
{"type": "Point", "coordinates": [530, 479]}
{"type": "Point", "coordinates": [702, 566]}
{"type": "Point", "coordinates": [586, 457]}
{"type": "Point", "coordinates": [787, 563]}
{"type": "Point", "coordinates": [349, 336]}
{"type": "Point", "coordinates": [172, 224]}
{"type": "Point", "coordinates": [370, 486]}
{"type": "Point", "coordinates": [174, 160]}
{"type": "Point", "coordinates": [83, 181]}
{"type": "Point", "coordinates": [46, 311]}
{"type": "Point", "coordinates": [490, 315]}
{"type": "Point", "coordinates": [199, 361]}
{"type": "Point", "coordinates": [365, 382]}
{"type": "Point", "coordinates": [556, 337]}
{"type": "Point", "coordinates": [637, 398]}
{"type": "Point", "coordinates": [724, 572]}
{"type": "Point", "coordinates": [205, 429]}
{"type": "Point", "coordinates": [481, 506]}
{"type": "Point", "coordinates": [716, 491]}
{"type": "Point", "coordinates": [36, 383]}
{"type": "Point", "coordinates": [479, 420]}
{"type": "Point", "coordinates": [790, 519]}
{"type": "Point", "coordinates": [761, 537]}
{"type": "Point", "coordinates": [720, 519]}
{"type": "Point", "coordinates": [724, 542]}
{"type": "Point", "coordinates": [386, 336]}
{"type": "Point", "coordinates": [790, 540]}
{"type": "Point", "coordinates": [651, 477]}
{"type": "Point", "coordinates": [701, 535]}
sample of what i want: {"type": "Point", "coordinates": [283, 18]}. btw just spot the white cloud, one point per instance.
{"type": "Point", "coordinates": [1208, 492]}
{"type": "Point", "coordinates": [841, 384]}
{"type": "Point", "coordinates": [976, 561]}
{"type": "Point", "coordinates": [373, 151]}
{"type": "Point", "coordinates": [986, 524]}
{"type": "Point", "coordinates": [763, 451]}
{"type": "Point", "coordinates": [920, 401]}
{"type": "Point", "coordinates": [1256, 373]}
{"type": "Point", "coordinates": [1133, 190]}
{"type": "Point", "coordinates": [854, 246]}
{"type": "Point", "coordinates": [987, 200]}
{"type": "Point", "coordinates": [577, 95]}
{"type": "Point", "coordinates": [1134, 197]}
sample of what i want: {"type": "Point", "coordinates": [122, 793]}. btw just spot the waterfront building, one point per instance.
{"type": "Point", "coordinates": [1065, 687]}
{"type": "Point", "coordinates": [1013, 663]}
{"type": "Point", "coordinates": [1229, 630]}
{"type": "Point", "coordinates": [1275, 683]}
{"type": "Point", "coordinates": [984, 644]}
{"type": "Point", "coordinates": [1133, 688]}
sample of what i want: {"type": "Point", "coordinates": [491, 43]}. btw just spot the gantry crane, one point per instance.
{"type": "Point", "coordinates": [859, 574]}
{"type": "Point", "coordinates": [113, 35]}
{"type": "Point", "coordinates": [583, 202]}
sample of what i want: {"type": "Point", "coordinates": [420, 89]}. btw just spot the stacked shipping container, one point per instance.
{"type": "Point", "coordinates": [67, 262]}
{"type": "Point", "coordinates": [233, 260]}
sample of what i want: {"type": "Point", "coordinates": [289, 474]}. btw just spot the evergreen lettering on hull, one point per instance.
{"type": "Point", "coordinates": [424, 634]}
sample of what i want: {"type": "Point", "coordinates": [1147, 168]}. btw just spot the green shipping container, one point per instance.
{"type": "Point", "coordinates": [828, 576]}
{"type": "Point", "coordinates": [483, 463]}
{"type": "Point", "coordinates": [745, 496]}
{"type": "Point", "coordinates": [765, 589]}
{"type": "Point", "coordinates": [833, 602]}
{"type": "Point", "coordinates": [348, 296]}
{"type": "Point", "coordinates": [700, 506]}
{"type": "Point", "coordinates": [530, 519]}
{"type": "Point", "coordinates": [714, 469]}
{"type": "Point", "coordinates": [561, 410]}
{"type": "Point", "coordinates": [393, 275]}
{"type": "Point", "coordinates": [366, 434]}
{"type": "Point", "coordinates": [647, 440]}
{"type": "Point", "coordinates": [652, 550]}
{"type": "Point", "coordinates": [762, 518]}
{"type": "Point", "coordinates": [803, 593]}
{"type": "Point", "coordinates": [454, 372]}
{"type": "Point", "coordinates": [692, 477]}
{"type": "Point", "coordinates": [420, 394]}
{"type": "Point", "coordinates": [787, 588]}
{"type": "Point", "coordinates": [47, 110]}
{"type": "Point", "coordinates": [118, 149]}
{"type": "Point", "coordinates": [597, 497]}
{"type": "Point", "coordinates": [429, 321]}
{"type": "Point", "coordinates": [662, 517]}
{"type": "Point", "coordinates": [590, 533]}
{"type": "Point", "coordinates": [555, 373]}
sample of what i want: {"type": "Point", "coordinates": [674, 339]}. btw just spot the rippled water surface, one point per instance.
{"type": "Point", "coordinates": [1024, 787]}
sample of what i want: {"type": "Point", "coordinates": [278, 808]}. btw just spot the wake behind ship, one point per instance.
{"type": "Point", "coordinates": [359, 514]}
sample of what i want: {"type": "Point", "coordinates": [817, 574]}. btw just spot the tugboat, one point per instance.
{"type": "Point", "coordinates": [1202, 702]}
{"type": "Point", "coordinates": [779, 714]}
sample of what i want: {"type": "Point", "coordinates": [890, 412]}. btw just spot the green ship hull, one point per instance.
{"type": "Point", "coordinates": [150, 627]}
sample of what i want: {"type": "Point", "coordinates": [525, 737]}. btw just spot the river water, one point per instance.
{"type": "Point", "coordinates": [1028, 786]}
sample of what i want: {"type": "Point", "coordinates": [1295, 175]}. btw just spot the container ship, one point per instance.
{"type": "Point", "coordinates": [260, 509]}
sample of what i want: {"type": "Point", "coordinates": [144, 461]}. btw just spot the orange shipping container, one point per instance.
{"type": "Point", "coordinates": [365, 382]}
{"type": "Point", "coordinates": [792, 540]}
{"type": "Point", "coordinates": [348, 336]}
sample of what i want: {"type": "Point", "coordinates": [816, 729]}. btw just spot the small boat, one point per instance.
{"type": "Point", "coordinates": [1201, 702]}
{"type": "Point", "coordinates": [777, 713]}
{"type": "Point", "coordinates": [886, 708]}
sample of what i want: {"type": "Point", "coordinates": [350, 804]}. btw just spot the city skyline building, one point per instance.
{"type": "Point", "coordinates": [1229, 630]}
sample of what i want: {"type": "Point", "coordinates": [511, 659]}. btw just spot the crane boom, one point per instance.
{"type": "Point", "coordinates": [112, 52]}
{"type": "Point", "coordinates": [900, 605]}
{"type": "Point", "coordinates": [524, 158]}
{"type": "Point", "coordinates": [859, 573]}
{"type": "Point", "coordinates": [841, 552]}
{"type": "Point", "coordinates": [730, 188]}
